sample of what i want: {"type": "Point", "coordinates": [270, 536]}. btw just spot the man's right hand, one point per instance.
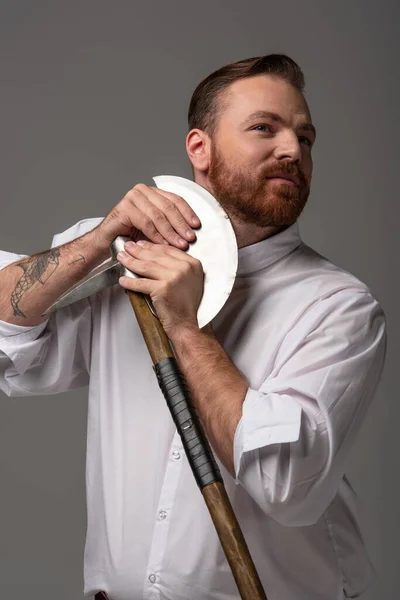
{"type": "Point", "coordinates": [160, 216]}
{"type": "Point", "coordinates": [29, 286]}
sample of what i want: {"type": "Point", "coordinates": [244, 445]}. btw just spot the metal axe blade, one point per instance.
{"type": "Point", "coordinates": [106, 275]}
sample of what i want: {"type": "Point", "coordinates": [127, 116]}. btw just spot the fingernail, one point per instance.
{"type": "Point", "coordinates": [129, 245]}
{"type": "Point", "coordinates": [190, 233]}
{"type": "Point", "coordinates": [195, 221]}
{"type": "Point", "coordinates": [141, 243]}
{"type": "Point", "coordinates": [181, 242]}
{"type": "Point", "coordinates": [122, 255]}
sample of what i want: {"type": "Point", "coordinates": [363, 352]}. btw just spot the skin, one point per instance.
{"type": "Point", "coordinates": [233, 164]}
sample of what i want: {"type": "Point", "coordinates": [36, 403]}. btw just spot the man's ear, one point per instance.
{"type": "Point", "coordinates": [198, 149]}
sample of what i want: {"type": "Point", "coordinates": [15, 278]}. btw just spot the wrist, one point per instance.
{"type": "Point", "coordinates": [187, 336]}
{"type": "Point", "coordinates": [97, 247]}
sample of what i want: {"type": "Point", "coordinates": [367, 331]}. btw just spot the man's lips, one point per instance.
{"type": "Point", "coordinates": [291, 180]}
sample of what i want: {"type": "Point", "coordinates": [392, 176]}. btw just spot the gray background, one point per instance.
{"type": "Point", "coordinates": [93, 100]}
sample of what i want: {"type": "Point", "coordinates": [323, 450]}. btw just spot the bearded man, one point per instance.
{"type": "Point", "coordinates": [281, 379]}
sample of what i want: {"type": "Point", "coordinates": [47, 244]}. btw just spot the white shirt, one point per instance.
{"type": "Point", "coordinates": [311, 340]}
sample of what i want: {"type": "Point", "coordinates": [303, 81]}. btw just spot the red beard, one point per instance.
{"type": "Point", "coordinates": [254, 198]}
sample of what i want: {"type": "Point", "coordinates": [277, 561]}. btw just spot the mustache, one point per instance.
{"type": "Point", "coordinates": [285, 169]}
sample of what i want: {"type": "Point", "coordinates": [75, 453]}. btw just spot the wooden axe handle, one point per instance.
{"type": "Point", "coordinates": [198, 452]}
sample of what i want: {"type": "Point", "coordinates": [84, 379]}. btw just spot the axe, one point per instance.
{"type": "Point", "coordinates": [216, 248]}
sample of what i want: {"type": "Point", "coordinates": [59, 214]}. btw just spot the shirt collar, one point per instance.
{"type": "Point", "coordinates": [258, 256]}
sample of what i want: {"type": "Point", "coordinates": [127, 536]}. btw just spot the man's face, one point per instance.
{"type": "Point", "coordinates": [250, 146]}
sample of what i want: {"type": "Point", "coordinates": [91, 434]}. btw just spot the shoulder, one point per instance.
{"type": "Point", "coordinates": [328, 296]}
{"type": "Point", "coordinates": [322, 277]}
{"type": "Point", "coordinates": [336, 315]}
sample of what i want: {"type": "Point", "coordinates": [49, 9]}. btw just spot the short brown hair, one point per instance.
{"type": "Point", "coordinates": [206, 99]}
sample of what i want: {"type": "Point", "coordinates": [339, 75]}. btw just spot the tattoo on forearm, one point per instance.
{"type": "Point", "coordinates": [81, 258]}
{"type": "Point", "coordinates": [36, 268]}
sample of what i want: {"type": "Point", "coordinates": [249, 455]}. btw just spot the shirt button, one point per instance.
{"type": "Point", "coordinates": [176, 454]}
{"type": "Point", "coordinates": [152, 578]}
{"type": "Point", "coordinates": [162, 514]}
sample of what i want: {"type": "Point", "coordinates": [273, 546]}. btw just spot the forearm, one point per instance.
{"type": "Point", "coordinates": [218, 388]}
{"type": "Point", "coordinates": [28, 287]}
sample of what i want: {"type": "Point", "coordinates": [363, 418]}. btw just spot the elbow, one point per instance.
{"type": "Point", "coordinates": [293, 514]}
{"type": "Point", "coordinates": [296, 509]}
{"type": "Point", "coordinates": [290, 502]}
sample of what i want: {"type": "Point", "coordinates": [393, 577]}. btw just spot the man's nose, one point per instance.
{"type": "Point", "coordinates": [288, 146]}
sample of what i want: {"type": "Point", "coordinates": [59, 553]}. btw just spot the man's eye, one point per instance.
{"type": "Point", "coordinates": [308, 142]}
{"type": "Point", "coordinates": [262, 127]}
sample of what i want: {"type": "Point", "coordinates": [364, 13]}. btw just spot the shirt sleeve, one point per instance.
{"type": "Point", "coordinates": [291, 444]}
{"type": "Point", "coordinates": [51, 357]}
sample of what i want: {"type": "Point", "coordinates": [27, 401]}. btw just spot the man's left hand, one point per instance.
{"type": "Point", "coordinates": [173, 280]}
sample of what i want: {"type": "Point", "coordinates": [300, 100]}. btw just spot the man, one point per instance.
{"type": "Point", "coordinates": [281, 379]}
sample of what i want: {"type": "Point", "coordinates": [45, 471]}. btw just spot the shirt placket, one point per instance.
{"type": "Point", "coordinates": [154, 572]}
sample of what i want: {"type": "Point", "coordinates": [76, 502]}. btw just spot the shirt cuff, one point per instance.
{"type": "Point", "coordinates": [12, 335]}
{"type": "Point", "coordinates": [266, 419]}
{"type": "Point", "coordinates": [18, 341]}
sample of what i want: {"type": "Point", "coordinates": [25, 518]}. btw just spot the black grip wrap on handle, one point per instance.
{"type": "Point", "coordinates": [177, 395]}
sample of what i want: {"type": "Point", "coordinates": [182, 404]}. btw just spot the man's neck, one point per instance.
{"type": "Point", "coordinates": [249, 233]}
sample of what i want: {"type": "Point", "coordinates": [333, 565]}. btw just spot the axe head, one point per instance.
{"type": "Point", "coordinates": [215, 247]}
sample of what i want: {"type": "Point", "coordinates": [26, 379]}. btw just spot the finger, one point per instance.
{"type": "Point", "coordinates": [165, 216]}
{"type": "Point", "coordinates": [154, 254]}
{"type": "Point", "coordinates": [166, 256]}
{"type": "Point", "coordinates": [153, 220]}
{"type": "Point", "coordinates": [174, 212]}
{"type": "Point", "coordinates": [146, 250]}
{"type": "Point", "coordinates": [146, 268]}
{"type": "Point", "coordinates": [143, 286]}
{"type": "Point", "coordinates": [143, 223]}
{"type": "Point", "coordinates": [190, 216]}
